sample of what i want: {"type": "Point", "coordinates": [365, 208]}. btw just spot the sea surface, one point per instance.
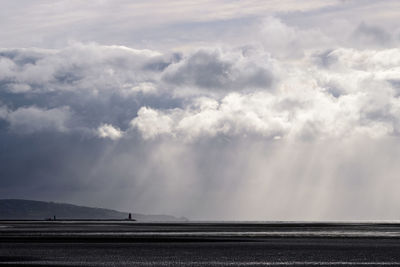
{"type": "Point", "coordinates": [130, 243]}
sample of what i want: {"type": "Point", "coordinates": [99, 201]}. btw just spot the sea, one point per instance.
{"type": "Point", "coordinates": [200, 243]}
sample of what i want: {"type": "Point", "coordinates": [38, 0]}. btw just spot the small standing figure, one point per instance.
{"type": "Point", "coordinates": [130, 216]}
{"type": "Point", "coordinates": [54, 217]}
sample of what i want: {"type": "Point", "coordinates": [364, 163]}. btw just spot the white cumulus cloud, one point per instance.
{"type": "Point", "coordinates": [109, 131]}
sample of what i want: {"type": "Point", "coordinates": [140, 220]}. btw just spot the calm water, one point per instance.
{"type": "Point", "coordinates": [124, 243]}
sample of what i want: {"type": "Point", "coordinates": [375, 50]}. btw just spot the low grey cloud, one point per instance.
{"type": "Point", "coordinates": [33, 119]}
{"type": "Point", "coordinates": [215, 71]}
{"type": "Point", "coordinates": [371, 35]}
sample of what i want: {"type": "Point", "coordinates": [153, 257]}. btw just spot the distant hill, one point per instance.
{"type": "Point", "coordinates": [20, 209]}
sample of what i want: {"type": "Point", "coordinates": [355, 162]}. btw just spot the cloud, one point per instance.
{"type": "Point", "coordinates": [215, 70]}
{"type": "Point", "coordinates": [33, 119]}
{"type": "Point", "coordinates": [336, 101]}
{"type": "Point", "coordinates": [371, 35]}
{"type": "Point", "coordinates": [151, 122]}
{"type": "Point", "coordinates": [234, 115]}
{"type": "Point", "coordinates": [80, 66]}
{"type": "Point", "coordinates": [113, 20]}
{"type": "Point", "coordinates": [109, 131]}
{"type": "Point", "coordinates": [99, 84]}
{"type": "Point", "coordinates": [289, 109]}
{"type": "Point", "coordinates": [283, 41]}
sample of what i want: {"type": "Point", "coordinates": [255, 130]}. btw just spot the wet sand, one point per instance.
{"type": "Point", "coordinates": [125, 243]}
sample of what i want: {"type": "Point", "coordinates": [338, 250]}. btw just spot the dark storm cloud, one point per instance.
{"type": "Point", "coordinates": [202, 69]}
{"type": "Point", "coordinates": [214, 71]}
{"type": "Point", "coordinates": [47, 165]}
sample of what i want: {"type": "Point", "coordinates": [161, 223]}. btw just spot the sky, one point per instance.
{"type": "Point", "coordinates": [213, 110]}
